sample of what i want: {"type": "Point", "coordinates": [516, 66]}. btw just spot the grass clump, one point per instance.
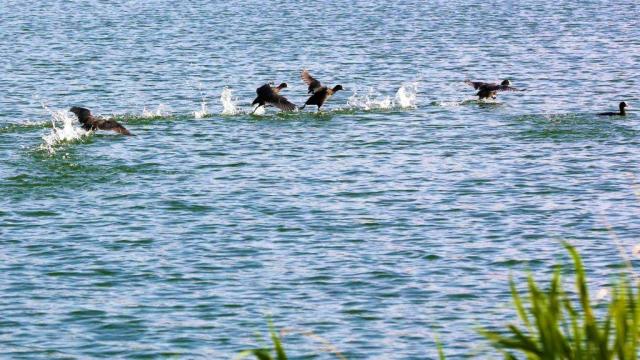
{"type": "Point", "coordinates": [556, 325]}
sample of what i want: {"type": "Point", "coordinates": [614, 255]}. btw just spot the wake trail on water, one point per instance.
{"type": "Point", "coordinates": [162, 111]}
{"type": "Point", "coordinates": [24, 126]}
{"type": "Point", "coordinates": [63, 130]}
{"type": "Point", "coordinates": [405, 98]}
{"type": "Point", "coordinates": [453, 104]}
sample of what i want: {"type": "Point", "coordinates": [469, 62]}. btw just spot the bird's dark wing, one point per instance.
{"type": "Point", "coordinates": [112, 125]}
{"type": "Point", "coordinates": [264, 91]}
{"type": "Point", "coordinates": [490, 86]}
{"type": "Point", "coordinates": [505, 88]}
{"type": "Point", "coordinates": [476, 84]}
{"type": "Point", "coordinates": [283, 104]}
{"type": "Point", "coordinates": [314, 85]}
{"type": "Point", "coordinates": [122, 130]}
{"type": "Point", "coordinates": [279, 101]}
{"type": "Point", "coordinates": [269, 95]}
{"type": "Point", "coordinates": [84, 115]}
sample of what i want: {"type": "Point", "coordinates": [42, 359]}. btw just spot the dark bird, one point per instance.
{"type": "Point", "coordinates": [90, 122]}
{"type": "Point", "coordinates": [490, 90]}
{"type": "Point", "coordinates": [621, 113]}
{"type": "Point", "coordinates": [271, 95]}
{"type": "Point", "coordinates": [320, 93]}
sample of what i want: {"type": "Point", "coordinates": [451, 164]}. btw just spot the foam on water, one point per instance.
{"type": "Point", "coordinates": [458, 103]}
{"type": "Point", "coordinates": [229, 106]}
{"type": "Point", "coordinates": [161, 111]}
{"type": "Point", "coordinates": [447, 103]}
{"type": "Point", "coordinates": [405, 98]}
{"type": "Point", "coordinates": [58, 135]}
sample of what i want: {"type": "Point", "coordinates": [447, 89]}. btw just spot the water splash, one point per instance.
{"type": "Point", "coordinates": [161, 111]}
{"type": "Point", "coordinates": [228, 102]}
{"type": "Point", "coordinates": [59, 135]}
{"type": "Point", "coordinates": [203, 112]}
{"type": "Point", "coordinates": [369, 101]}
{"type": "Point", "coordinates": [405, 98]}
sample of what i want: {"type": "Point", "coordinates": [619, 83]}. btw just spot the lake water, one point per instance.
{"type": "Point", "coordinates": [397, 213]}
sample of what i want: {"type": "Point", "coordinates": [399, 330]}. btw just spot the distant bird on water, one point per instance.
{"type": "Point", "coordinates": [622, 111]}
{"type": "Point", "coordinates": [490, 90]}
{"type": "Point", "coordinates": [320, 93]}
{"type": "Point", "coordinates": [271, 95]}
{"type": "Point", "coordinates": [90, 122]}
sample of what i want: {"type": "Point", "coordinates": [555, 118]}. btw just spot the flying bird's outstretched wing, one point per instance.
{"type": "Point", "coordinates": [113, 126]}
{"type": "Point", "coordinates": [476, 84]}
{"type": "Point", "coordinates": [268, 95]}
{"type": "Point", "coordinates": [506, 88]}
{"type": "Point", "coordinates": [490, 86]}
{"type": "Point", "coordinates": [283, 104]}
{"type": "Point", "coordinates": [314, 85]}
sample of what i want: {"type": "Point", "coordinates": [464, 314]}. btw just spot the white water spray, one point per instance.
{"type": "Point", "coordinates": [203, 112]}
{"type": "Point", "coordinates": [405, 98]}
{"type": "Point", "coordinates": [161, 111]}
{"type": "Point", "coordinates": [58, 135]}
{"type": "Point", "coordinates": [228, 102]}
{"type": "Point", "coordinates": [369, 101]}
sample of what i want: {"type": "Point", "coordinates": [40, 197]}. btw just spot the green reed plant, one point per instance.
{"type": "Point", "coordinates": [265, 353]}
{"type": "Point", "coordinates": [557, 326]}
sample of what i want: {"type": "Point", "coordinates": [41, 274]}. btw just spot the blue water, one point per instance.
{"type": "Point", "coordinates": [374, 225]}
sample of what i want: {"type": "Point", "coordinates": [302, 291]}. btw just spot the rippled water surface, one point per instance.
{"type": "Point", "coordinates": [389, 217]}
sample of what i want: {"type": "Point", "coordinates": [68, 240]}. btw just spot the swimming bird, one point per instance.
{"type": "Point", "coordinates": [320, 93]}
{"type": "Point", "coordinates": [489, 90]}
{"type": "Point", "coordinates": [621, 113]}
{"type": "Point", "coordinates": [90, 122]}
{"type": "Point", "coordinates": [271, 95]}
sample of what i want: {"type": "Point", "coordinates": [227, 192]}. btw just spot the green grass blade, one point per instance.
{"type": "Point", "coordinates": [517, 301]}
{"type": "Point", "coordinates": [440, 348]}
{"type": "Point", "coordinates": [277, 343]}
